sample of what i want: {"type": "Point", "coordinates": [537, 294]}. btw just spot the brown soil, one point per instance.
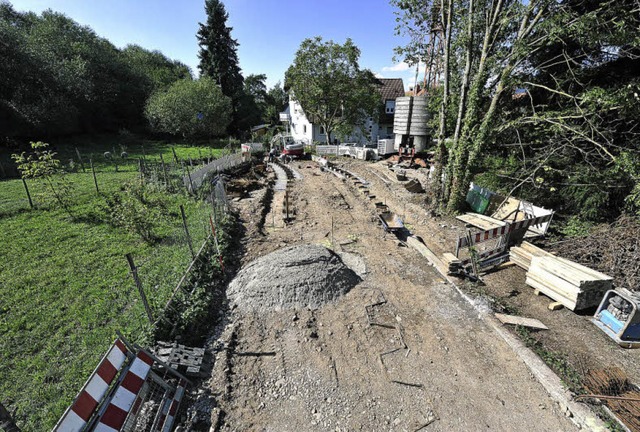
{"type": "Point", "coordinates": [400, 351]}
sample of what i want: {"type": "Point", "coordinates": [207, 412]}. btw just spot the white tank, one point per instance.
{"type": "Point", "coordinates": [410, 118]}
{"type": "Point", "coordinates": [417, 124]}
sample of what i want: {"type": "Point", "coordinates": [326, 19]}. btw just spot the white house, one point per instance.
{"type": "Point", "coordinates": [303, 130]}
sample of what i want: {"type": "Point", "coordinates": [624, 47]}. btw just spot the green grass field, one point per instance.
{"type": "Point", "coordinates": [65, 286]}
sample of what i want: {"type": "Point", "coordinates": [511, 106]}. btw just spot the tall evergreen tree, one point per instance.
{"type": "Point", "coordinates": [218, 55]}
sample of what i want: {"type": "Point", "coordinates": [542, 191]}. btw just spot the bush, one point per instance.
{"type": "Point", "coordinates": [191, 109]}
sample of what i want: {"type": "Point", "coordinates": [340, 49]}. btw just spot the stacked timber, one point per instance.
{"type": "Point", "coordinates": [452, 262]}
{"type": "Point", "coordinates": [522, 255]}
{"type": "Point", "coordinates": [574, 285]}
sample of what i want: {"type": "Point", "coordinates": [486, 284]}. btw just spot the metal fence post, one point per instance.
{"type": "Point", "coordinates": [136, 279]}
{"type": "Point", "coordinates": [186, 230]}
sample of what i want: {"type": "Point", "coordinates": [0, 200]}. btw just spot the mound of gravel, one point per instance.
{"type": "Point", "coordinates": [293, 277]}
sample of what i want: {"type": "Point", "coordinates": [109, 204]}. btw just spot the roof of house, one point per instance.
{"type": "Point", "coordinates": [390, 88]}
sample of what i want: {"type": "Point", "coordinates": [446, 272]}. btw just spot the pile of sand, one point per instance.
{"type": "Point", "coordinates": [293, 277]}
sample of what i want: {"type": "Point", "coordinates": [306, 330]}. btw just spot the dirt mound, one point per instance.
{"type": "Point", "coordinates": [293, 277]}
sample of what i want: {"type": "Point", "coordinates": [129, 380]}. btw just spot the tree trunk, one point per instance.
{"type": "Point", "coordinates": [454, 194]}
{"type": "Point", "coordinates": [464, 87]}
{"type": "Point", "coordinates": [477, 130]}
{"type": "Point", "coordinates": [442, 133]}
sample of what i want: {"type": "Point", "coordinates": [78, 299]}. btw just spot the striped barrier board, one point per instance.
{"type": "Point", "coordinates": [94, 390]}
{"type": "Point", "coordinates": [501, 231]}
{"type": "Point", "coordinates": [484, 255]}
{"type": "Point", "coordinates": [126, 394]}
{"type": "Point", "coordinates": [172, 410]}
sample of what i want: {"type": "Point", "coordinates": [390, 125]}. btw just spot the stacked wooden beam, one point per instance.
{"type": "Point", "coordinates": [574, 285]}
{"type": "Point", "coordinates": [522, 255]}
{"type": "Point", "coordinates": [452, 262]}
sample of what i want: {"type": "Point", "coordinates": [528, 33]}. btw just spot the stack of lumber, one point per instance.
{"type": "Point", "coordinates": [522, 255]}
{"type": "Point", "coordinates": [574, 285]}
{"type": "Point", "coordinates": [452, 262]}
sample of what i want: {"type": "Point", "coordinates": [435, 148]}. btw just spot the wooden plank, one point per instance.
{"type": "Point", "coordinates": [564, 270]}
{"type": "Point", "coordinates": [550, 293]}
{"type": "Point", "coordinates": [518, 320]}
{"type": "Point", "coordinates": [593, 273]}
{"type": "Point", "coordinates": [554, 282]}
{"type": "Point", "coordinates": [450, 258]}
{"type": "Point", "coordinates": [481, 221]}
{"type": "Point", "coordinates": [507, 209]}
{"type": "Point", "coordinates": [555, 306]}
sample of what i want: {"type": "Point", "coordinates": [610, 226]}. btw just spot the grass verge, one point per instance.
{"type": "Point", "coordinates": [66, 287]}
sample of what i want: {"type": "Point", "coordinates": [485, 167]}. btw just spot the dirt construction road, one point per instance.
{"type": "Point", "coordinates": [401, 351]}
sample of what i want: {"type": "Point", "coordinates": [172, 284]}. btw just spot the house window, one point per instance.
{"type": "Point", "coordinates": [389, 106]}
{"type": "Point", "coordinates": [389, 130]}
{"type": "Point", "coordinates": [304, 129]}
{"type": "Point", "coordinates": [322, 132]}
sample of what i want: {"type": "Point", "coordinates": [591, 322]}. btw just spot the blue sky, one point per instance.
{"type": "Point", "coordinates": [269, 31]}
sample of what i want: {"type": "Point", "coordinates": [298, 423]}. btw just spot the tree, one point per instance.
{"type": "Point", "coordinates": [190, 109]}
{"type": "Point", "coordinates": [327, 81]}
{"type": "Point", "coordinates": [277, 101]}
{"type": "Point", "coordinates": [546, 99]}
{"type": "Point", "coordinates": [158, 71]}
{"type": "Point", "coordinates": [43, 164]}
{"type": "Point", "coordinates": [218, 55]}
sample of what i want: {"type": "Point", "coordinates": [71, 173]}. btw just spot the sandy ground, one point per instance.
{"type": "Point", "coordinates": [401, 351]}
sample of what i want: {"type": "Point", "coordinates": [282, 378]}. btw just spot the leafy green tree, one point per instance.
{"type": "Point", "coordinates": [190, 109]}
{"type": "Point", "coordinates": [218, 56]}
{"type": "Point", "coordinates": [158, 71]}
{"type": "Point", "coordinates": [59, 78]}
{"type": "Point", "coordinates": [43, 164]}
{"type": "Point", "coordinates": [326, 79]}
{"type": "Point", "coordinates": [276, 102]}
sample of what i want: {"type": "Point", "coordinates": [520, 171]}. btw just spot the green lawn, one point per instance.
{"type": "Point", "coordinates": [65, 286]}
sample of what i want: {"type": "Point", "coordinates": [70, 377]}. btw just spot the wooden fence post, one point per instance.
{"type": "Point", "coordinates": [186, 231]}
{"type": "Point", "coordinates": [95, 179]}
{"type": "Point", "coordinates": [175, 156]}
{"type": "Point", "coordinates": [24, 182]}
{"type": "Point", "coordinates": [332, 244]}
{"type": "Point", "coordinates": [80, 159]}
{"type": "Point", "coordinates": [190, 181]}
{"type": "Point", "coordinates": [115, 158]}
{"type": "Point", "coordinates": [164, 170]}
{"type": "Point", "coordinates": [136, 279]}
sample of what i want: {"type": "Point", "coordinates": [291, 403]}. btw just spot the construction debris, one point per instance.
{"type": "Point", "coordinates": [613, 248]}
{"type": "Point", "coordinates": [187, 360]}
{"type": "Point", "coordinates": [614, 382]}
{"type": "Point", "coordinates": [414, 186]}
{"type": "Point", "coordinates": [574, 285]}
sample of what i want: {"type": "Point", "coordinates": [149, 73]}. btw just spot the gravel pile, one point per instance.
{"type": "Point", "coordinates": [293, 277]}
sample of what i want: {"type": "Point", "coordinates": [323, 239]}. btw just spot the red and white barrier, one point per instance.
{"type": "Point", "coordinates": [173, 408]}
{"type": "Point", "coordinates": [507, 229]}
{"type": "Point", "coordinates": [94, 390]}
{"type": "Point", "coordinates": [119, 406]}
